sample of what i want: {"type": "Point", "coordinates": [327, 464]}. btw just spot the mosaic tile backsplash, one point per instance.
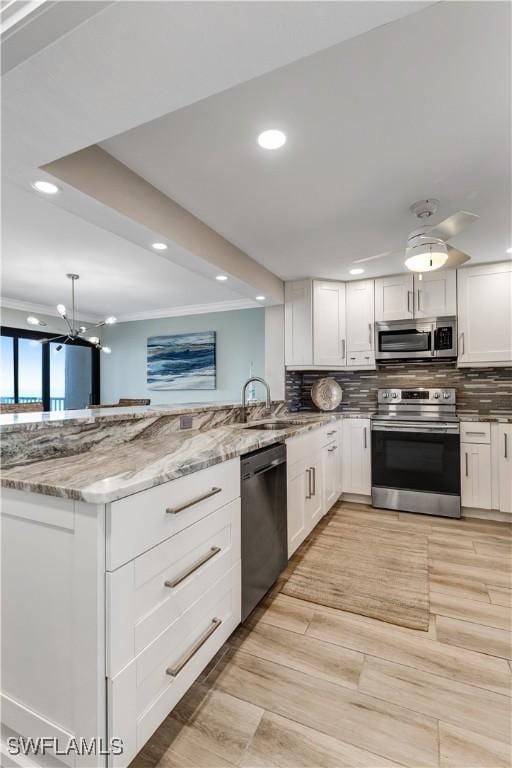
{"type": "Point", "coordinates": [479, 390]}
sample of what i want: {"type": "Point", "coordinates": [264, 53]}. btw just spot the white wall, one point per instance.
{"type": "Point", "coordinates": [240, 342]}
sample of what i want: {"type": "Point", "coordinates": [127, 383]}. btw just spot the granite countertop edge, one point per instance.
{"type": "Point", "coordinates": [233, 441]}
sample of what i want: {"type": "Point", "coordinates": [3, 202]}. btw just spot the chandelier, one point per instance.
{"type": "Point", "coordinates": [73, 333]}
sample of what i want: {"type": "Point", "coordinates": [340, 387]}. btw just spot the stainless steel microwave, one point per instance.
{"type": "Point", "coordinates": [401, 339]}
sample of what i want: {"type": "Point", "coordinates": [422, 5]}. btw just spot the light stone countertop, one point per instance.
{"type": "Point", "coordinates": [155, 456]}
{"type": "Point", "coordinates": [502, 418]}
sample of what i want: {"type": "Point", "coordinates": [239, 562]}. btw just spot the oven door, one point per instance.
{"type": "Point", "coordinates": [396, 340]}
{"type": "Point", "coordinates": [416, 457]}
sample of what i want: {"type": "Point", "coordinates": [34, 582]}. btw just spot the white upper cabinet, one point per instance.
{"type": "Point", "coordinates": [360, 317]}
{"type": "Point", "coordinates": [484, 307]}
{"type": "Point", "coordinates": [329, 338]}
{"type": "Point", "coordinates": [402, 297]}
{"type": "Point", "coordinates": [435, 295]}
{"type": "Point", "coordinates": [298, 322]}
{"type": "Point", "coordinates": [394, 297]}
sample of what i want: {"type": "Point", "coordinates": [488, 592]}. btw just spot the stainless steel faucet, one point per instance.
{"type": "Point", "coordinates": [244, 393]}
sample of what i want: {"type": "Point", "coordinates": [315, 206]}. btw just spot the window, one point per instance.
{"type": "Point", "coordinates": [63, 375]}
{"type": "Point", "coordinates": [7, 374]}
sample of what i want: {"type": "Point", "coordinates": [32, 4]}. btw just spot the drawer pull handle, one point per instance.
{"type": "Point", "coordinates": [174, 671]}
{"type": "Point", "coordinates": [332, 432]}
{"type": "Point", "coordinates": [192, 502]}
{"type": "Point", "coordinates": [475, 433]}
{"type": "Point", "coordinates": [334, 448]}
{"type": "Point", "coordinates": [202, 560]}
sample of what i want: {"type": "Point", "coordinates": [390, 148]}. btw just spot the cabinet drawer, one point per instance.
{"type": "Point", "coordinates": [145, 691]}
{"type": "Point", "coordinates": [141, 521]}
{"type": "Point", "coordinates": [360, 359]}
{"type": "Point", "coordinates": [151, 592]}
{"type": "Point", "coordinates": [475, 432]}
{"type": "Point", "coordinates": [328, 434]}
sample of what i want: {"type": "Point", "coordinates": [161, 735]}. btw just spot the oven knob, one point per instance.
{"type": "Point", "coordinates": [394, 395]}
{"type": "Point", "coordinates": [385, 395]}
{"type": "Point", "coordinates": [446, 395]}
{"type": "Point", "coordinates": [437, 395]}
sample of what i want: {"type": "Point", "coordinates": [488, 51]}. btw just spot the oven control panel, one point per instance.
{"type": "Point", "coordinates": [418, 395]}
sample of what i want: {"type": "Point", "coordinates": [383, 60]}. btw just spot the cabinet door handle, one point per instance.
{"type": "Point", "coordinates": [466, 462]}
{"type": "Point", "coordinates": [202, 560]}
{"type": "Point", "coordinates": [309, 494]}
{"type": "Point", "coordinates": [505, 447]}
{"type": "Point", "coordinates": [418, 305]}
{"type": "Point", "coordinates": [313, 472]}
{"type": "Point", "coordinates": [174, 671]}
{"type": "Point", "coordinates": [370, 335]}
{"type": "Point", "coordinates": [192, 502]}
{"type": "Point", "coordinates": [365, 438]}
{"type": "Point", "coordinates": [334, 448]}
{"type": "Point", "coordinates": [332, 432]}
{"type": "Point", "coordinates": [462, 342]}
{"type": "Point", "coordinates": [409, 294]}
{"type": "Point", "coordinates": [343, 348]}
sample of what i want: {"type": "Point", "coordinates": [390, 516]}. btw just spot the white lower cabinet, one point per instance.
{"type": "Point", "coordinates": [475, 486]}
{"type": "Point", "coordinates": [314, 480]}
{"type": "Point", "coordinates": [486, 466]}
{"type": "Point", "coordinates": [356, 456]}
{"type": "Point", "coordinates": [504, 461]}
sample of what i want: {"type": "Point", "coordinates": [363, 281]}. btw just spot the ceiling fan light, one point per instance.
{"type": "Point", "coordinates": [427, 257]}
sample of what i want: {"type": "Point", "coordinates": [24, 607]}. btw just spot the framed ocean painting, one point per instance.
{"type": "Point", "coordinates": [182, 361]}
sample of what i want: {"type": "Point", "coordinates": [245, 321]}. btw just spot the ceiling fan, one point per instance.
{"type": "Point", "coordinates": [427, 247]}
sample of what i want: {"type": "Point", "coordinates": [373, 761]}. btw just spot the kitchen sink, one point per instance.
{"type": "Point", "coordinates": [269, 425]}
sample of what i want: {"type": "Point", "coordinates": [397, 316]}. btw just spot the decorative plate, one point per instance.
{"type": "Point", "coordinates": [326, 394]}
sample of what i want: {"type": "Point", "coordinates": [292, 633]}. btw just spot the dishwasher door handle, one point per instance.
{"type": "Point", "coordinates": [272, 465]}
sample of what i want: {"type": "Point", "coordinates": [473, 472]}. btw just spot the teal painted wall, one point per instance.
{"type": "Point", "coordinates": [240, 340]}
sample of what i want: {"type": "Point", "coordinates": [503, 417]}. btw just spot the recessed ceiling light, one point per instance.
{"type": "Point", "coordinates": [356, 271]}
{"type": "Point", "coordinates": [46, 187]}
{"type": "Point", "coordinates": [221, 277]}
{"type": "Point", "coordinates": [509, 250]}
{"type": "Point", "coordinates": [159, 246]}
{"type": "Point", "coordinates": [260, 298]}
{"type": "Point", "coordinates": [272, 139]}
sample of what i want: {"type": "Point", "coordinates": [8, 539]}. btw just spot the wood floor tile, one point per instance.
{"type": "Point", "coordinates": [474, 708]}
{"type": "Point", "coordinates": [461, 748]}
{"type": "Point", "coordinates": [472, 525]}
{"type": "Point", "coordinates": [500, 595]}
{"type": "Point", "coordinates": [388, 730]}
{"type": "Point", "coordinates": [422, 521]}
{"type": "Point", "coordinates": [206, 723]}
{"type": "Point", "coordinates": [425, 654]}
{"type": "Point", "coordinates": [493, 563]}
{"type": "Point", "coordinates": [305, 654]}
{"type": "Point", "coordinates": [458, 586]}
{"type": "Point", "coordinates": [282, 743]}
{"type": "Point", "coordinates": [470, 610]}
{"type": "Point", "coordinates": [493, 576]}
{"type": "Point", "coordinates": [475, 637]}
{"type": "Point", "coordinates": [286, 613]}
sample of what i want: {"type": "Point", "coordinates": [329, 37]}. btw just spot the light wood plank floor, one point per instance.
{"type": "Point", "coordinates": [304, 686]}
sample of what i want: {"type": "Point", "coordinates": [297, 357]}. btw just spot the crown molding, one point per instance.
{"type": "Point", "coordinates": [43, 309]}
{"type": "Point", "coordinates": [190, 309]}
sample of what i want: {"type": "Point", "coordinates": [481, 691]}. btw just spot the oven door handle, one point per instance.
{"type": "Point", "coordinates": [419, 429]}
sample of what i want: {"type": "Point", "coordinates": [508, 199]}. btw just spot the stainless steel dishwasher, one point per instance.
{"type": "Point", "coordinates": [264, 522]}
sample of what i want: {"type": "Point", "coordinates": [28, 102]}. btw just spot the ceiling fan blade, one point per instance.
{"type": "Point", "coordinates": [455, 258]}
{"type": "Point", "coordinates": [377, 256]}
{"type": "Point", "coordinates": [453, 225]}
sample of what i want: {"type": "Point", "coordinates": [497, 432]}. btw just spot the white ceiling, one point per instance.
{"type": "Point", "coordinates": [43, 243]}
{"type": "Point", "coordinates": [129, 63]}
{"type": "Point", "coordinates": [417, 108]}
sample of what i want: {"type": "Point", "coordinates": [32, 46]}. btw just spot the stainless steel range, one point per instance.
{"type": "Point", "coordinates": [416, 451]}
